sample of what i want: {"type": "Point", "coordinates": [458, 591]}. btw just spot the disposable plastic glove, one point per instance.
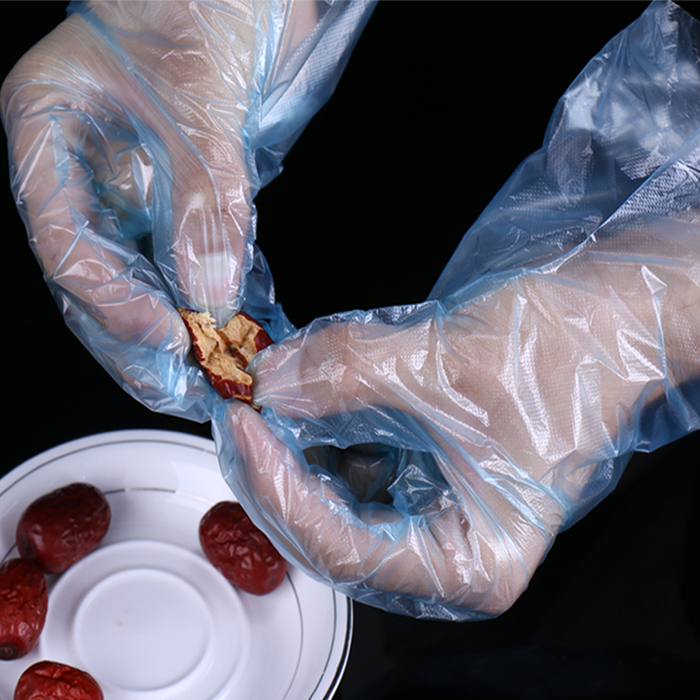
{"type": "Point", "coordinates": [139, 133]}
{"type": "Point", "coordinates": [422, 459]}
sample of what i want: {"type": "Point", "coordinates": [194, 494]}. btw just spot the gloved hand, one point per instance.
{"type": "Point", "coordinates": [139, 133]}
{"type": "Point", "coordinates": [494, 425]}
{"type": "Point", "coordinates": [422, 459]}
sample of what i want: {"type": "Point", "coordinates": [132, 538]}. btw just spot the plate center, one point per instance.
{"type": "Point", "coordinates": [149, 619]}
{"type": "Point", "coordinates": [142, 629]}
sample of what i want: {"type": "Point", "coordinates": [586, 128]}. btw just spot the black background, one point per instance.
{"type": "Point", "coordinates": [440, 102]}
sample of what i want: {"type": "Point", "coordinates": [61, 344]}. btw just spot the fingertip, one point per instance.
{"type": "Point", "coordinates": [214, 285]}
{"type": "Point", "coordinates": [214, 224]}
{"type": "Point", "coordinates": [247, 427]}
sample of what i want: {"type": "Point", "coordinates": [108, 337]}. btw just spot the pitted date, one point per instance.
{"type": "Point", "coordinates": [63, 526]}
{"type": "Point", "coordinates": [23, 604]}
{"type": "Point", "coordinates": [224, 353]}
{"type": "Point", "coordinates": [49, 680]}
{"type": "Point", "coordinates": [240, 550]}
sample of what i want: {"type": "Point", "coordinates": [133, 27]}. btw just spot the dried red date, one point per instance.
{"type": "Point", "coordinates": [63, 526]}
{"type": "Point", "coordinates": [240, 550]}
{"type": "Point", "coordinates": [50, 680]}
{"type": "Point", "coordinates": [23, 603]}
{"type": "Point", "coordinates": [224, 353]}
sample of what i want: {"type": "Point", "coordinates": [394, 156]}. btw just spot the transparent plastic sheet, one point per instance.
{"type": "Point", "coordinates": [139, 134]}
{"type": "Point", "coordinates": [422, 459]}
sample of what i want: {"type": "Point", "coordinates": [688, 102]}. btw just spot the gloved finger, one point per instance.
{"type": "Point", "coordinates": [62, 212]}
{"type": "Point", "coordinates": [158, 62]}
{"type": "Point", "coordinates": [195, 66]}
{"type": "Point", "coordinates": [213, 222]}
{"type": "Point", "coordinates": [450, 552]}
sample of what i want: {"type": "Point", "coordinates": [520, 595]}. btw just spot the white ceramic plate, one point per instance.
{"type": "Point", "coordinates": [145, 613]}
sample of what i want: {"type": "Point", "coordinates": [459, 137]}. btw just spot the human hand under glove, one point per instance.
{"type": "Point", "coordinates": [426, 459]}
{"type": "Point", "coordinates": [139, 133]}
{"type": "Point", "coordinates": [422, 459]}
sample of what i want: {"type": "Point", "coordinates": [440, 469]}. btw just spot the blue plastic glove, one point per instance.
{"type": "Point", "coordinates": [139, 134]}
{"type": "Point", "coordinates": [423, 459]}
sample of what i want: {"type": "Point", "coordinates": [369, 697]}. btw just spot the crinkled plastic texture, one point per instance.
{"type": "Point", "coordinates": [422, 459]}
{"type": "Point", "coordinates": [139, 134]}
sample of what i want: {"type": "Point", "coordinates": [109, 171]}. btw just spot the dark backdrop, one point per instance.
{"type": "Point", "coordinates": [440, 102]}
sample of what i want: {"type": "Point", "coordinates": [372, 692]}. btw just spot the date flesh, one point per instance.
{"type": "Point", "coordinates": [47, 680]}
{"type": "Point", "coordinates": [224, 353]}
{"type": "Point", "coordinates": [63, 526]}
{"type": "Point", "coordinates": [240, 550]}
{"type": "Point", "coordinates": [24, 601]}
